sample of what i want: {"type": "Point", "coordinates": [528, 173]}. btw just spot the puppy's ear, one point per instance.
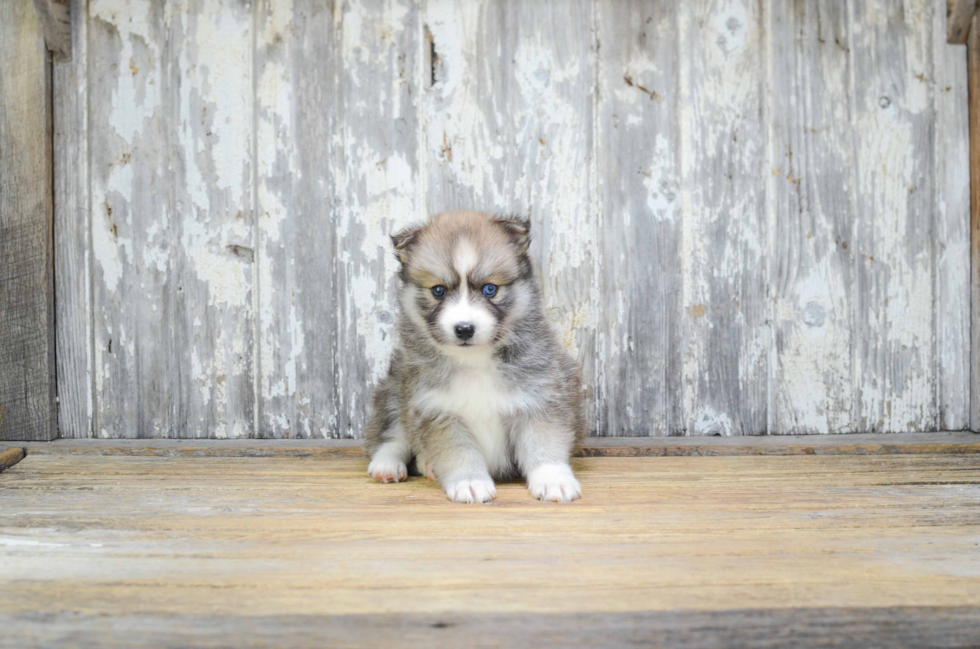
{"type": "Point", "coordinates": [519, 229]}
{"type": "Point", "coordinates": [403, 240]}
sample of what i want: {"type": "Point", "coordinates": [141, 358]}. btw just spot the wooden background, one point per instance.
{"type": "Point", "coordinates": [750, 216]}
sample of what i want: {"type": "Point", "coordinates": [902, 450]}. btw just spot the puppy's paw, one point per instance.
{"type": "Point", "coordinates": [480, 490]}
{"type": "Point", "coordinates": [388, 469]}
{"type": "Point", "coordinates": [554, 482]}
{"type": "Point", "coordinates": [425, 468]}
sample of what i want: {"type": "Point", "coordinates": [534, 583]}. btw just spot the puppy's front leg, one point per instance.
{"type": "Point", "coordinates": [459, 465]}
{"type": "Point", "coordinates": [542, 451]}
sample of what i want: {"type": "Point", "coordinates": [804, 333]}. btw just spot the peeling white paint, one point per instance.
{"type": "Point", "coordinates": [534, 153]}
{"type": "Point", "coordinates": [661, 183]}
{"type": "Point", "coordinates": [137, 96]}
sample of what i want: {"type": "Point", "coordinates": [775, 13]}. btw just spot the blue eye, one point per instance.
{"type": "Point", "coordinates": [489, 290]}
{"type": "Point", "coordinates": [439, 292]}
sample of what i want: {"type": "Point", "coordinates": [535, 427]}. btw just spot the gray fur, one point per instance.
{"type": "Point", "coordinates": [543, 418]}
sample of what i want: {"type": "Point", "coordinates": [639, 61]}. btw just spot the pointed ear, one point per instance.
{"type": "Point", "coordinates": [403, 241]}
{"type": "Point", "coordinates": [519, 229]}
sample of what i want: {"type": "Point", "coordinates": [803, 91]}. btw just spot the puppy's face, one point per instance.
{"type": "Point", "coordinates": [466, 277]}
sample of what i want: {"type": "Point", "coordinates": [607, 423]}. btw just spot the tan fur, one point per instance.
{"type": "Point", "coordinates": [506, 403]}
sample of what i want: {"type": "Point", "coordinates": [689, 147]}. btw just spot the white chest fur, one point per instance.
{"type": "Point", "coordinates": [478, 398]}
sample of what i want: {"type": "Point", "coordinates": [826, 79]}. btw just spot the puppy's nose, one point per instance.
{"type": "Point", "coordinates": [465, 330]}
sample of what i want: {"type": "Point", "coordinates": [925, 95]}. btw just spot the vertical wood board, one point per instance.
{"type": "Point", "coordinates": [951, 147]}
{"type": "Point", "coordinates": [640, 316]}
{"type": "Point", "coordinates": [380, 95]}
{"type": "Point", "coordinates": [893, 129]}
{"type": "Point", "coordinates": [73, 287]}
{"type": "Point", "coordinates": [296, 144]}
{"type": "Point", "coordinates": [132, 203]}
{"type": "Point", "coordinates": [27, 361]}
{"type": "Point", "coordinates": [812, 184]}
{"type": "Point", "coordinates": [339, 179]}
{"type": "Point", "coordinates": [723, 197]}
{"type": "Point", "coordinates": [973, 66]}
{"type": "Point", "coordinates": [210, 162]}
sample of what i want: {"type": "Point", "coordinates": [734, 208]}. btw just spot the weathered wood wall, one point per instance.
{"type": "Point", "coordinates": [750, 216]}
{"type": "Point", "coordinates": [27, 346]}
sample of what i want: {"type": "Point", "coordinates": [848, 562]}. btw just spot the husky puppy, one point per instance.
{"type": "Point", "coordinates": [479, 387]}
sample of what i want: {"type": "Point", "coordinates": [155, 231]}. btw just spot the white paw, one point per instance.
{"type": "Point", "coordinates": [388, 469]}
{"type": "Point", "coordinates": [425, 468]}
{"type": "Point", "coordinates": [554, 482]}
{"type": "Point", "coordinates": [471, 491]}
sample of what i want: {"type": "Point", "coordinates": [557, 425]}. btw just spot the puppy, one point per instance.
{"type": "Point", "coordinates": [479, 388]}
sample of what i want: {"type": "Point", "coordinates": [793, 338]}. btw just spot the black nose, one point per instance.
{"type": "Point", "coordinates": [465, 330]}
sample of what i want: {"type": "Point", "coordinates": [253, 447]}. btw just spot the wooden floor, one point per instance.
{"type": "Point", "coordinates": [170, 549]}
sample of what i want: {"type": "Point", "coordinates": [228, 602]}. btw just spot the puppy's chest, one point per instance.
{"type": "Point", "coordinates": [482, 402]}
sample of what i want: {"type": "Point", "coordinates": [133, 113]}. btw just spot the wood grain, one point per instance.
{"type": "Point", "coordinates": [894, 356]}
{"type": "Point", "coordinates": [27, 359]}
{"type": "Point", "coordinates": [381, 88]}
{"type": "Point", "coordinates": [56, 24]}
{"type": "Point", "coordinates": [133, 216]}
{"type": "Point", "coordinates": [72, 236]}
{"type": "Point", "coordinates": [959, 15]}
{"type": "Point", "coordinates": [337, 174]}
{"type": "Point", "coordinates": [121, 543]}
{"type": "Point", "coordinates": [298, 142]}
{"type": "Point", "coordinates": [639, 343]}
{"type": "Point", "coordinates": [209, 122]}
{"type": "Point", "coordinates": [857, 627]}
{"type": "Point", "coordinates": [951, 248]}
{"type": "Point", "coordinates": [812, 218]}
{"type": "Point", "coordinates": [897, 444]}
{"type": "Point", "coordinates": [973, 65]}
{"type": "Point", "coordinates": [723, 156]}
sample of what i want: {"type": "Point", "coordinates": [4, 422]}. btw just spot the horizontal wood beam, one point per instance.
{"type": "Point", "coordinates": [959, 14]}
{"type": "Point", "coordinates": [55, 19]}
{"type": "Point", "coordinates": [864, 444]}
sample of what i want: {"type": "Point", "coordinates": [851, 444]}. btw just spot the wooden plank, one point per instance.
{"type": "Point", "coordinates": [840, 445]}
{"type": "Point", "coordinates": [952, 245]}
{"type": "Point", "coordinates": [295, 234]}
{"type": "Point", "coordinates": [724, 259]}
{"type": "Point", "coordinates": [959, 15]}
{"type": "Point", "coordinates": [136, 540]}
{"type": "Point", "coordinates": [171, 219]}
{"type": "Point", "coordinates": [897, 444]}
{"type": "Point", "coordinates": [894, 365]}
{"type": "Point", "coordinates": [56, 24]}
{"type": "Point", "coordinates": [639, 330]}
{"type": "Point", "coordinates": [133, 215]}
{"type": "Point", "coordinates": [10, 457]}
{"type": "Point", "coordinates": [337, 174]}
{"type": "Point", "coordinates": [209, 124]}
{"type": "Point", "coordinates": [509, 128]}
{"type": "Point", "coordinates": [27, 361]}
{"type": "Point", "coordinates": [298, 138]}
{"type": "Point", "coordinates": [381, 91]}
{"type": "Point", "coordinates": [812, 155]}
{"type": "Point", "coordinates": [905, 626]}
{"type": "Point", "coordinates": [973, 67]}
{"type": "Point", "coordinates": [72, 236]}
